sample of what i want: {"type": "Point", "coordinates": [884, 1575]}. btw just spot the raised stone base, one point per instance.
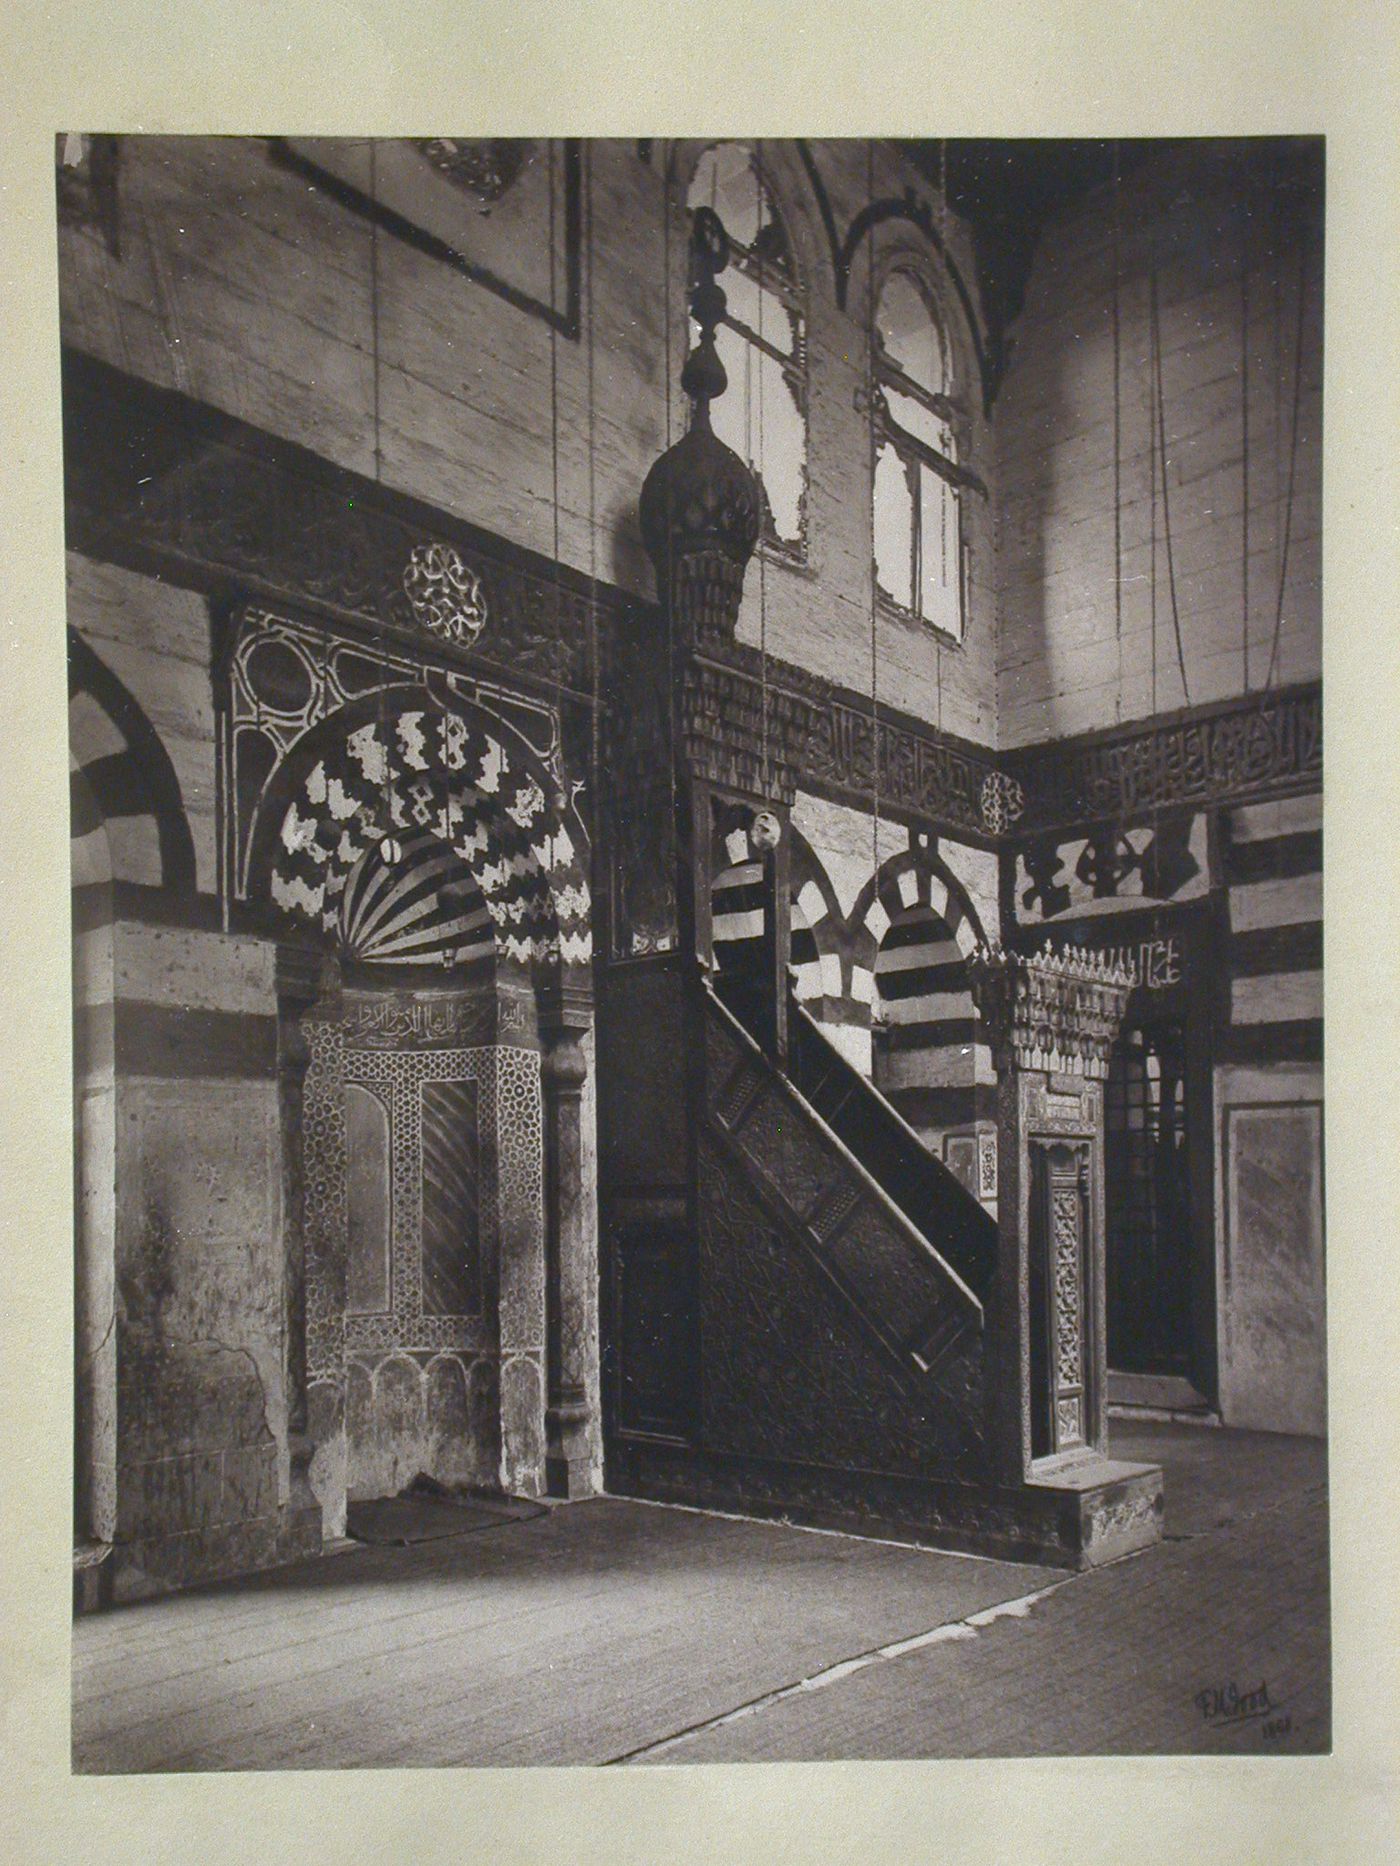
{"type": "Point", "coordinates": [1159, 1396]}
{"type": "Point", "coordinates": [140, 1570]}
{"type": "Point", "coordinates": [1077, 1513]}
{"type": "Point", "coordinates": [92, 1576]}
{"type": "Point", "coordinates": [1106, 1508]}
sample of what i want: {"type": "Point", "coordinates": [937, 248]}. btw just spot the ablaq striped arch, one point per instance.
{"type": "Point", "coordinates": [919, 937]}
{"type": "Point", "coordinates": [736, 907]}
{"type": "Point", "coordinates": [389, 818]}
{"type": "Point", "coordinates": [123, 787]}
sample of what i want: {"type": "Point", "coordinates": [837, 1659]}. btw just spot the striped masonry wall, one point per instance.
{"type": "Point", "coordinates": [736, 908]}
{"type": "Point", "coordinates": [932, 1057]}
{"type": "Point", "coordinates": [1272, 862]}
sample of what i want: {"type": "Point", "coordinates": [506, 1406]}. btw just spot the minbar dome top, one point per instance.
{"type": "Point", "coordinates": [700, 496]}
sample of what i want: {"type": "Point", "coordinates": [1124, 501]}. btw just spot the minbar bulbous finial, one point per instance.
{"type": "Point", "coordinates": [699, 496]}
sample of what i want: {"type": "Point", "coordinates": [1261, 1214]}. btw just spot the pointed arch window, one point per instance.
{"type": "Point", "coordinates": [762, 340]}
{"type": "Point", "coordinates": [921, 560]}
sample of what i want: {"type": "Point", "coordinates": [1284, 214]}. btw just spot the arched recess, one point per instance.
{"type": "Point", "coordinates": [929, 1055]}
{"type": "Point", "coordinates": [396, 766]}
{"type": "Point", "coordinates": [736, 906]}
{"type": "Point", "coordinates": [435, 856]}
{"type": "Point", "coordinates": [128, 777]}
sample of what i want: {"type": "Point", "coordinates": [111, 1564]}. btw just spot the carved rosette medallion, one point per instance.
{"type": "Point", "coordinates": [444, 593]}
{"type": "Point", "coordinates": [1002, 801]}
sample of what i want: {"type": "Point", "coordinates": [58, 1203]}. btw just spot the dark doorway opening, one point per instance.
{"type": "Point", "coordinates": [1148, 1188]}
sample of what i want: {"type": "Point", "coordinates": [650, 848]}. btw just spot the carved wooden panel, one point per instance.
{"type": "Point", "coordinates": [897, 1288]}
{"type": "Point", "coordinates": [789, 1372]}
{"type": "Point", "coordinates": [1060, 1294]}
{"type": "Point", "coordinates": [651, 1323]}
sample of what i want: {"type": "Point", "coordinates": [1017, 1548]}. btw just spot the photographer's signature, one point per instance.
{"type": "Point", "coordinates": [1227, 1704]}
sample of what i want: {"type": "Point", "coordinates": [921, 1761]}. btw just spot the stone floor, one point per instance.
{"type": "Point", "coordinates": [618, 1632]}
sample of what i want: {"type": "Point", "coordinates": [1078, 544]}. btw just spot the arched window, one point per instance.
{"type": "Point", "coordinates": [762, 341]}
{"type": "Point", "coordinates": [920, 561]}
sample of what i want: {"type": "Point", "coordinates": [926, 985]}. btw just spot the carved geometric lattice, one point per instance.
{"type": "Point", "coordinates": [505, 1084]}
{"type": "Point", "coordinates": [1065, 1231]}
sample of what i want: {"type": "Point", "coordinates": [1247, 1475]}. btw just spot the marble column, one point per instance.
{"type": "Point", "coordinates": [571, 1271]}
{"type": "Point", "coordinates": [298, 980]}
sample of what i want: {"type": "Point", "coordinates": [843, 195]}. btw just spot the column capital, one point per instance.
{"type": "Point", "coordinates": [565, 1012]}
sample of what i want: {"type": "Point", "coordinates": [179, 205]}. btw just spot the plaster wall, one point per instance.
{"type": "Point", "coordinates": [847, 844]}
{"type": "Point", "coordinates": [180, 1235]}
{"type": "Point", "coordinates": [242, 286]}
{"type": "Point", "coordinates": [1230, 236]}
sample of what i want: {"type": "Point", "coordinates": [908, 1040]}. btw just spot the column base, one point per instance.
{"type": "Point", "coordinates": [568, 1479]}
{"type": "Point", "coordinates": [92, 1575]}
{"type": "Point", "coordinates": [568, 1463]}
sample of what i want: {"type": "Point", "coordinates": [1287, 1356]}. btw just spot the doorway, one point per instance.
{"type": "Point", "coordinates": [1149, 1204]}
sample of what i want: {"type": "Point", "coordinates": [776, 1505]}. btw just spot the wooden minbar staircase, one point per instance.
{"type": "Point", "coordinates": [804, 1313]}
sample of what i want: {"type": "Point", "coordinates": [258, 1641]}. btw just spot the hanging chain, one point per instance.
{"type": "Point", "coordinates": [374, 299]}
{"type": "Point", "coordinates": [1292, 451]}
{"type": "Point", "coordinates": [1117, 431]}
{"type": "Point", "coordinates": [1152, 456]}
{"type": "Point", "coordinates": [594, 684]}
{"type": "Point", "coordinates": [762, 555]}
{"type": "Point", "coordinates": [1166, 496]}
{"type": "Point", "coordinates": [1244, 459]}
{"type": "Point", "coordinates": [874, 574]}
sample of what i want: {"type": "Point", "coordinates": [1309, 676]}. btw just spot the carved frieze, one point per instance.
{"type": "Point", "coordinates": [1055, 1012]}
{"type": "Point", "coordinates": [1251, 745]}
{"type": "Point", "coordinates": [817, 736]}
{"type": "Point", "coordinates": [398, 1020]}
{"type": "Point", "coordinates": [178, 487]}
